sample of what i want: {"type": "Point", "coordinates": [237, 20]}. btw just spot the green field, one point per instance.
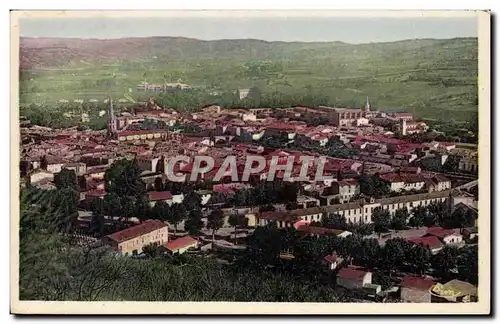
{"type": "Point", "coordinates": [436, 78]}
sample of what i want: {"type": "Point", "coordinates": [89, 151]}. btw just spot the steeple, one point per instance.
{"type": "Point", "coordinates": [367, 105]}
{"type": "Point", "coordinates": [112, 129]}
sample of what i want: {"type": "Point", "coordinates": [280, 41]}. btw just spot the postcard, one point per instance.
{"type": "Point", "coordinates": [250, 162]}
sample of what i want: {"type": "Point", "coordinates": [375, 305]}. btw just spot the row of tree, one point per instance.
{"type": "Point", "coordinates": [435, 214]}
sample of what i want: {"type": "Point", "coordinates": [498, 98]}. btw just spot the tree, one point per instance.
{"type": "Point", "coordinates": [381, 220]}
{"type": "Point", "coordinates": [193, 223]}
{"type": "Point", "coordinates": [467, 264]}
{"type": "Point", "coordinates": [43, 163]}
{"type": "Point", "coordinates": [82, 183]}
{"type": "Point", "coordinates": [237, 220]}
{"type": "Point", "coordinates": [400, 219]}
{"type": "Point", "coordinates": [142, 209]}
{"type": "Point", "coordinates": [394, 254]}
{"type": "Point", "coordinates": [66, 179]}
{"type": "Point", "coordinates": [373, 185]}
{"type": "Point", "coordinates": [335, 221]}
{"type": "Point", "coordinates": [215, 220]}
{"type": "Point", "coordinates": [369, 252]}
{"type": "Point", "coordinates": [176, 216]}
{"type": "Point", "coordinates": [160, 211]}
{"type": "Point", "coordinates": [160, 166]}
{"type": "Point", "coordinates": [97, 223]}
{"type": "Point", "coordinates": [419, 214]}
{"type": "Point", "coordinates": [419, 258]}
{"type": "Point", "coordinates": [113, 205]}
{"type": "Point", "coordinates": [437, 213]}
{"type": "Point", "coordinates": [123, 178]}
{"type": "Point", "coordinates": [445, 261]}
{"type": "Point", "coordinates": [362, 229]}
{"type": "Point", "coordinates": [152, 250]}
{"type": "Point", "coordinates": [158, 184]}
{"type": "Point", "coordinates": [128, 209]}
{"type": "Point", "coordinates": [461, 218]}
{"type": "Point", "coordinates": [67, 205]}
{"type": "Point", "coordinates": [192, 201]}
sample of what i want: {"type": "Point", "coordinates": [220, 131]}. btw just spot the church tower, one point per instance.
{"type": "Point", "coordinates": [112, 129]}
{"type": "Point", "coordinates": [367, 106]}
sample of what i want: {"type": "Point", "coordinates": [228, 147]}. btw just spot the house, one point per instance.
{"type": "Point", "coordinates": [243, 93]}
{"type": "Point", "coordinates": [181, 245]}
{"type": "Point", "coordinates": [468, 164]}
{"type": "Point", "coordinates": [404, 181]}
{"type": "Point", "coordinates": [463, 197]}
{"type": "Point", "coordinates": [332, 261]}
{"type": "Point", "coordinates": [306, 202]}
{"type": "Point", "coordinates": [353, 278]}
{"type": "Point", "coordinates": [281, 218]}
{"type": "Point", "coordinates": [454, 291]}
{"type": "Point", "coordinates": [79, 167]}
{"type": "Point", "coordinates": [133, 239]}
{"type": "Point", "coordinates": [432, 242]}
{"type": "Point", "coordinates": [155, 196]}
{"type": "Point", "coordinates": [447, 236]}
{"type": "Point", "coordinates": [322, 231]}
{"type": "Point", "coordinates": [54, 164]}
{"type": "Point", "coordinates": [467, 208]}
{"type": "Point", "coordinates": [438, 183]}
{"type": "Point", "coordinates": [342, 191]}
{"type": "Point", "coordinates": [39, 175]}
{"type": "Point", "coordinates": [97, 172]}
{"type": "Point", "coordinates": [416, 289]}
{"type": "Point", "coordinates": [149, 163]}
{"type": "Point", "coordinates": [470, 233]}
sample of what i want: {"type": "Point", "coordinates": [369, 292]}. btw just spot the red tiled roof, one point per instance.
{"type": "Point", "coordinates": [418, 283]}
{"type": "Point", "coordinates": [352, 273]}
{"type": "Point", "coordinates": [300, 224]}
{"type": "Point", "coordinates": [331, 258]}
{"type": "Point", "coordinates": [431, 242]}
{"type": "Point", "coordinates": [136, 231]}
{"type": "Point", "coordinates": [140, 132]}
{"type": "Point", "coordinates": [159, 195]}
{"type": "Point", "coordinates": [181, 242]}
{"type": "Point", "coordinates": [277, 215]}
{"type": "Point", "coordinates": [439, 232]}
{"type": "Point", "coordinates": [403, 177]}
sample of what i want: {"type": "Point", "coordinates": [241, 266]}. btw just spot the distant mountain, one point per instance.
{"type": "Point", "coordinates": [52, 52]}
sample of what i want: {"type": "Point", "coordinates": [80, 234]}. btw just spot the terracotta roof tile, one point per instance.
{"type": "Point", "coordinates": [352, 273]}
{"type": "Point", "coordinates": [180, 243]}
{"type": "Point", "coordinates": [136, 231]}
{"type": "Point", "coordinates": [431, 242]}
{"type": "Point", "coordinates": [419, 283]}
{"type": "Point", "coordinates": [159, 195]}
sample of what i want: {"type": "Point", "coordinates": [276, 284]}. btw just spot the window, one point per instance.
{"type": "Point", "coordinates": [134, 252]}
{"type": "Point", "coordinates": [366, 218]}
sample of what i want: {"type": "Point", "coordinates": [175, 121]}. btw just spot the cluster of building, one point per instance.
{"type": "Point", "coordinates": [146, 134]}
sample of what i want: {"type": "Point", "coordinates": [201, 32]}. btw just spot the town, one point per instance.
{"type": "Point", "coordinates": [393, 219]}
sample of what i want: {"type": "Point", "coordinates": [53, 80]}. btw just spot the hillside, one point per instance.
{"type": "Point", "coordinates": [434, 77]}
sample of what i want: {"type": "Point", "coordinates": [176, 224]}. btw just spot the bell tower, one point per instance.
{"type": "Point", "coordinates": [112, 127]}
{"type": "Point", "coordinates": [367, 106]}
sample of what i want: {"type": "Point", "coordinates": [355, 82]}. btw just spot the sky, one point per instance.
{"type": "Point", "coordinates": [346, 29]}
